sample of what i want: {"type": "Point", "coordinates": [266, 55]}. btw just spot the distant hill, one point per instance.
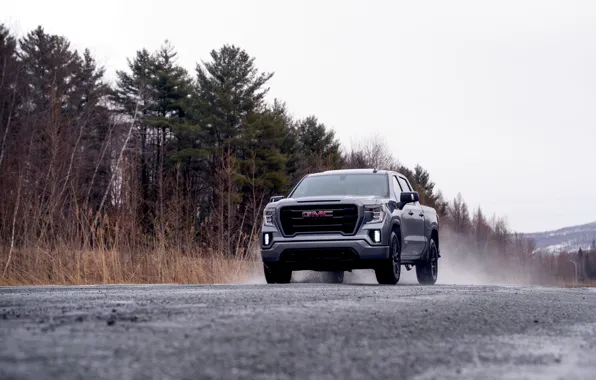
{"type": "Point", "coordinates": [565, 239]}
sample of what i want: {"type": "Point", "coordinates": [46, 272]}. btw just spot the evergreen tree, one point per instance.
{"type": "Point", "coordinates": [228, 89]}
{"type": "Point", "coordinates": [160, 88]}
{"type": "Point", "coordinates": [289, 145]}
{"type": "Point", "coordinates": [49, 68]}
{"type": "Point", "coordinates": [228, 105]}
{"type": "Point", "coordinates": [263, 165]}
{"type": "Point", "coordinates": [425, 186]}
{"type": "Point", "coordinates": [88, 105]}
{"type": "Point", "coordinates": [263, 137]}
{"type": "Point", "coordinates": [171, 88]}
{"type": "Point", "coordinates": [10, 101]}
{"type": "Point", "coordinates": [135, 87]}
{"type": "Point", "coordinates": [135, 97]}
{"type": "Point", "coordinates": [317, 146]}
{"type": "Point", "coordinates": [62, 125]}
{"type": "Point", "coordinates": [8, 79]}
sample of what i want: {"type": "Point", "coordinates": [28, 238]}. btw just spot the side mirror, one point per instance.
{"type": "Point", "coordinates": [276, 198]}
{"type": "Point", "coordinates": [408, 197]}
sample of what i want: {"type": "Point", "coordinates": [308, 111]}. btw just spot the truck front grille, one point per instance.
{"type": "Point", "coordinates": [340, 218]}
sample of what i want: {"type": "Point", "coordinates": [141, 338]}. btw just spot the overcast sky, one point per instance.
{"type": "Point", "coordinates": [496, 99]}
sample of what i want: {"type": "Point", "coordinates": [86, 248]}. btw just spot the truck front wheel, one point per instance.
{"type": "Point", "coordinates": [427, 272]}
{"type": "Point", "coordinates": [277, 274]}
{"type": "Point", "coordinates": [388, 272]}
{"type": "Point", "coordinates": [337, 277]}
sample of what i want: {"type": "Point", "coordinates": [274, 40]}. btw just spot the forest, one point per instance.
{"type": "Point", "coordinates": [162, 176]}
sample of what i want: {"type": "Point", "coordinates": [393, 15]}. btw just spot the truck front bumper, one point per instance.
{"type": "Point", "coordinates": [325, 254]}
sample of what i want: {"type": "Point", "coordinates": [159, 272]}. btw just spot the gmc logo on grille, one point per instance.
{"type": "Point", "coordinates": [316, 214]}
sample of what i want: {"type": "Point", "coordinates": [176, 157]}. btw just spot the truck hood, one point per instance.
{"type": "Point", "coordinates": [366, 200]}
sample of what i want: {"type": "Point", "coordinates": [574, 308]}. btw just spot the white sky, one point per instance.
{"type": "Point", "coordinates": [496, 99]}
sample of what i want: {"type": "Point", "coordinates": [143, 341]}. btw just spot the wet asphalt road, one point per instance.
{"type": "Point", "coordinates": [297, 331]}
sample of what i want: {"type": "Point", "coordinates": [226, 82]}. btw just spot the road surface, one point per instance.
{"type": "Point", "coordinates": [297, 331]}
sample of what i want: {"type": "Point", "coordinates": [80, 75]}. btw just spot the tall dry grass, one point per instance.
{"type": "Point", "coordinates": [581, 284]}
{"type": "Point", "coordinates": [64, 266]}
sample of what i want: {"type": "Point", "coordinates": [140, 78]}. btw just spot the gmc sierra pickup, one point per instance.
{"type": "Point", "coordinates": [341, 220]}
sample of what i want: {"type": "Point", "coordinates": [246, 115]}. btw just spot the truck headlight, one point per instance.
{"type": "Point", "coordinates": [377, 214]}
{"type": "Point", "coordinates": [268, 215]}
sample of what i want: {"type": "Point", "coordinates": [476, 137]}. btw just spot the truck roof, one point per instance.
{"type": "Point", "coordinates": [351, 171]}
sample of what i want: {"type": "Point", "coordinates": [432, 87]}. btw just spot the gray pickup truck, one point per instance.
{"type": "Point", "coordinates": [341, 220]}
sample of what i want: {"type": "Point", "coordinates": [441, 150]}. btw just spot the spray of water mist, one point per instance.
{"type": "Point", "coordinates": [462, 262]}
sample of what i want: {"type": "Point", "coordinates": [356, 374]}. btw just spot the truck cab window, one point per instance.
{"type": "Point", "coordinates": [396, 187]}
{"type": "Point", "coordinates": [404, 184]}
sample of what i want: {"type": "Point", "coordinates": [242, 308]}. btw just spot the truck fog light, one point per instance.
{"type": "Point", "coordinates": [377, 236]}
{"type": "Point", "coordinates": [266, 239]}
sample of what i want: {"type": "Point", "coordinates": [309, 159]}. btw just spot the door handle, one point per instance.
{"type": "Point", "coordinates": [421, 214]}
{"type": "Point", "coordinates": [411, 212]}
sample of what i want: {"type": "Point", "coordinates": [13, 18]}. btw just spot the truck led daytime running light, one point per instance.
{"type": "Point", "coordinates": [377, 236]}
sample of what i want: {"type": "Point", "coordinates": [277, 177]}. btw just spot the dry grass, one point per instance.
{"type": "Point", "coordinates": [585, 284]}
{"type": "Point", "coordinates": [75, 267]}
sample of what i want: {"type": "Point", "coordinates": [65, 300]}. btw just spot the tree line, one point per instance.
{"type": "Point", "coordinates": [166, 160]}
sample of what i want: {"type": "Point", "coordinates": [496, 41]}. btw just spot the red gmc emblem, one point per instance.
{"type": "Point", "coordinates": [317, 214]}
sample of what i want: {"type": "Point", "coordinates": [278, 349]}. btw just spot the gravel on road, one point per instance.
{"type": "Point", "coordinates": [297, 331]}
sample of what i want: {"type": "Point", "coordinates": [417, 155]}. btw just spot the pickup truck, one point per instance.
{"type": "Point", "coordinates": [343, 220]}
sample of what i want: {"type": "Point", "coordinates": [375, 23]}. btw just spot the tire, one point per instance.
{"type": "Point", "coordinates": [428, 271]}
{"type": "Point", "coordinates": [389, 272]}
{"type": "Point", "coordinates": [276, 274]}
{"type": "Point", "coordinates": [337, 277]}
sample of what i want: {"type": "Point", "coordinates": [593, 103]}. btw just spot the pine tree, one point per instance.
{"type": "Point", "coordinates": [9, 96]}
{"type": "Point", "coordinates": [10, 101]}
{"type": "Point", "coordinates": [171, 88]}
{"type": "Point", "coordinates": [263, 166]}
{"type": "Point", "coordinates": [425, 186]}
{"type": "Point", "coordinates": [161, 89]}
{"type": "Point", "coordinates": [88, 105]}
{"type": "Point", "coordinates": [228, 89]}
{"type": "Point", "coordinates": [49, 66]}
{"type": "Point", "coordinates": [134, 91]}
{"type": "Point", "coordinates": [317, 146]}
{"type": "Point", "coordinates": [227, 103]}
{"type": "Point", "coordinates": [8, 76]}
{"type": "Point", "coordinates": [289, 145]}
{"type": "Point", "coordinates": [50, 70]}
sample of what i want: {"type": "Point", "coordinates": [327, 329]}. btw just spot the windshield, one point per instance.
{"type": "Point", "coordinates": [343, 184]}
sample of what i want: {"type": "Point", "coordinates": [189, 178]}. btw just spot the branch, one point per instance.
{"type": "Point", "coordinates": [14, 221]}
{"type": "Point", "coordinates": [105, 195]}
{"type": "Point", "coordinates": [107, 145]}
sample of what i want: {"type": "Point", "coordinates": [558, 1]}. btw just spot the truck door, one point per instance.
{"type": "Point", "coordinates": [413, 212]}
{"type": "Point", "coordinates": [408, 223]}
